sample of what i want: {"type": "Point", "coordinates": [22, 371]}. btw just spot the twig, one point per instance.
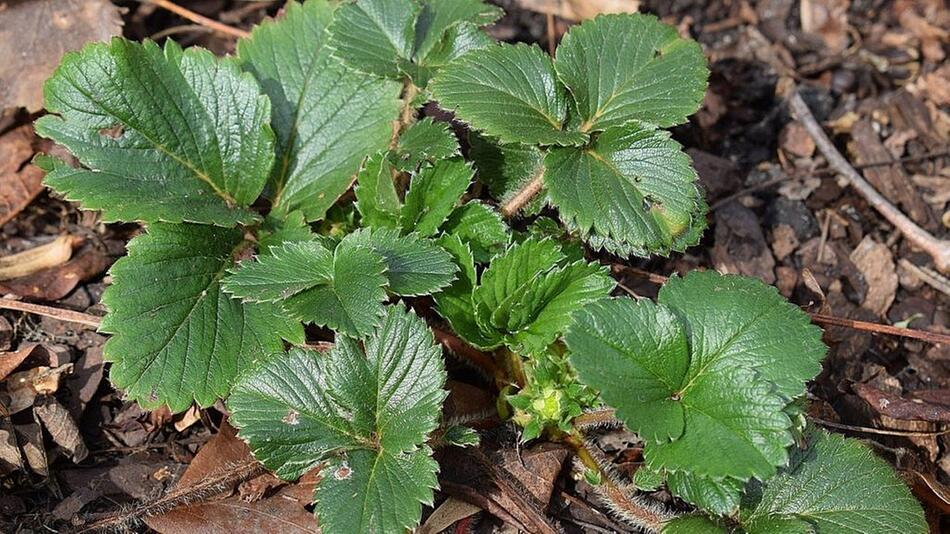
{"type": "Point", "coordinates": [829, 320]}
{"type": "Point", "coordinates": [48, 311]}
{"type": "Point", "coordinates": [199, 19]}
{"type": "Point", "coordinates": [881, 431]}
{"type": "Point", "coordinates": [524, 195]}
{"type": "Point", "coordinates": [938, 249]}
{"type": "Point", "coordinates": [931, 278]}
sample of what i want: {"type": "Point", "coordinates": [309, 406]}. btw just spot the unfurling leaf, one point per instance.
{"type": "Point", "coordinates": [433, 194]}
{"type": "Point", "coordinates": [425, 141]}
{"type": "Point", "coordinates": [365, 410]}
{"type": "Point", "coordinates": [414, 266]}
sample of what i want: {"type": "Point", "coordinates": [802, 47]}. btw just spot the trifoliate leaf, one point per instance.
{"type": "Point", "coordinates": [455, 302]}
{"type": "Point", "coordinates": [433, 193]}
{"type": "Point", "coordinates": [621, 68]}
{"type": "Point", "coordinates": [318, 150]}
{"type": "Point", "coordinates": [741, 321]}
{"type": "Point", "coordinates": [437, 17]}
{"type": "Point", "coordinates": [525, 298]}
{"type": "Point", "coordinates": [509, 92]}
{"type": "Point", "coordinates": [366, 409]}
{"type": "Point", "coordinates": [178, 338]}
{"type": "Point", "coordinates": [507, 168]}
{"type": "Point", "coordinates": [835, 485]}
{"type": "Point", "coordinates": [425, 141]}
{"type": "Point", "coordinates": [375, 36]}
{"type": "Point", "coordinates": [693, 524]}
{"type": "Point", "coordinates": [343, 290]}
{"type": "Point", "coordinates": [719, 497]}
{"type": "Point", "coordinates": [163, 134]}
{"type": "Point", "coordinates": [376, 196]}
{"type": "Point", "coordinates": [457, 41]}
{"type": "Point", "coordinates": [414, 266]}
{"type": "Point", "coordinates": [481, 227]}
{"type": "Point", "coordinates": [633, 184]}
{"type": "Point", "coordinates": [694, 383]}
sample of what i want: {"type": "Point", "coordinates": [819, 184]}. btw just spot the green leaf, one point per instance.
{"type": "Point", "coordinates": [458, 41]}
{"type": "Point", "coordinates": [163, 134]}
{"type": "Point", "coordinates": [741, 321]}
{"type": "Point", "coordinates": [282, 272]}
{"type": "Point", "coordinates": [437, 17]}
{"type": "Point", "coordinates": [366, 409]}
{"type": "Point", "coordinates": [622, 68]}
{"type": "Point", "coordinates": [481, 227]}
{"type": "Point", "coordinates": [509, 92]}
{"type": "Point", "coordinates": [376, 196]}
{"type": "Point", "coordinates": [460, 436]}
{"type": "Point", "coordinates": [507, 168]}
{"type": "Point", "coordinates": [455, 302]}
{"type": "Point", "coordinates": [343, 290]}
{"type": "Point", "coordinates": [836, 485]}
{"type": "Point", "coordinates": [414, 266]}
{"type": "Point", "coordinates": [432, 195]}
{"type": "Point", "coordinates": [178, 338]}
{"type": "Point", "coordinates": [634, 185]}
{"type": "Point", "coordinates": [719, 497]}
{"type": "Point", "coordinates": [425, 141]}
{"type": "Point", "coordinates": [375, 36]}
{"type": "Point", "coordinates": [525, 298]}
{"type": "Point", "coordinates": [697, 375]}
{"type": "Point", "coordinates": [692, 524]}
{"type": "Point", "coordinates": [278, 230]}
{"type": "Point", "coordinates": [327, 117]}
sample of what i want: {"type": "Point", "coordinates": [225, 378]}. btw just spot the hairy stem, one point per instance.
{"type": "Point", "coordinates": [524, 195]}
{"type": "Point", "coordinates": [938, 249]}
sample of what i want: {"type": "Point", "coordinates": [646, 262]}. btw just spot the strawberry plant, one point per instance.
{"type": "Point", "coordinates": [295, 184]}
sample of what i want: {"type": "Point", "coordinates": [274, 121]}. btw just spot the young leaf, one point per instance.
{"type": "Point", "coordinates": [365, 410]}
{"type": "Point", "coordinates": [414, 266]}
{"type": "Point", "coordinates": [835, 485]}
{"type": "Point", "coordinates": [525, 297]}
{"type": "Point", "coordinates": [690, 381]}
{"type": "Point", "coordinates": [375, 36]}
{"type": "Point", "coordinates": [623, 68]}
{"type": "Point", "coordinates": [376, 196]}
{"type": "Point", "coordinates": [318, 153]}
{"type": "Point", "coordinates": [157, 142]}
{"type": "Point", "coordinates": [481, 227]}
{"type": "Point", "coordinates": [438, 16]}
{"type": "Point", "coordinates": [509, 92]}
{"type": "Point", "coordinates": [432, 195]}
{"type": "Point", "coordinates": [425, 141]}
{"type": "Point", "coordinates": [343, 290]}
{"type": "Point", "coordinates": [455, 302]}
{"type": "Point", "coordinates": [634, 185]}
{"type": "Point", "coordinates": [177, 337]}
{"type": "Point", "coordinates": [506, 168]}
{"type": "Point", "coordinates": [458, 40]}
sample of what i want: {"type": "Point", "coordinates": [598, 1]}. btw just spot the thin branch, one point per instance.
{"type": "Point", "coordinates": [199, 19]}
{"type": "Point", "coordinates": [938, 249]}
{"type": "Point", "coordinates": [524, 195]}
{"type": "Point", "coordinates": [49, 311]}
{"type": "Point", "coordinates": [827, 320]}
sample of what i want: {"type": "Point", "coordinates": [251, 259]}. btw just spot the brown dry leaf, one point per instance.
{"type": "Point", "coordinates": [20, 182]}
{"type": "Point", "coordinates": [192, 416]}
{"type": "Point", "coordinates": [10, 459]}
{"type": "Point", "coordinates": [447, 514]}
{"type": "Point", "coordinates": [827, 19]}
{"type": "Point", "coordinates": [56, 282]}
{"type": "Point", "coordinates": [34, 35]}
{"type": "Point", "coordinates": [30, 437]}
{"type": "Point", "coordinates": [740, 246]}
{"type": "Point", "coordinates": [795, 141]}
{"type": "Point", "coordinates": [876, 264]}
{"type": "Point", "coordinates": [9, 361]}
{"type": "Point", "coordinates": [282, 512]}
{"type": "Point", "coordinates": [61, 428]}
{"type": "Point", "coordinates": [25, 263]}
{"type": "Point", "coordinates": [935, 86]}
{"type": "Point", "coordinates": [931, 36]}
{"type": "Point", "coordinates": [579, 9]}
